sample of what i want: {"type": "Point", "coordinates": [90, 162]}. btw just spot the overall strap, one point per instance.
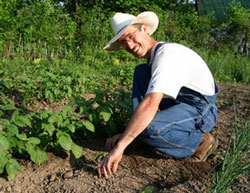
{"type": "Point", "coordinates": [156, 48]}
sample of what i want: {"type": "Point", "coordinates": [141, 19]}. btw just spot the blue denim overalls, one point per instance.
{"type": "Point", "coordinates": [177, 128]}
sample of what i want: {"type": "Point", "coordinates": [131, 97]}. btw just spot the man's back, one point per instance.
{"type": "Point", "coordinates": [175, 66]}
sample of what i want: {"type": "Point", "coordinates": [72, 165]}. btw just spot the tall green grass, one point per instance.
{"type": "Point", "coordinates": [235, 162]}
{"type": "Point", "coordinates": [227, 67]}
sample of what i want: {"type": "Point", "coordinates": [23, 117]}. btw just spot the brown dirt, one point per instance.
{"type": "Point", "coordinates": [141, 166]}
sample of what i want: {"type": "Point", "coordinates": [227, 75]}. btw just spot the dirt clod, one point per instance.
{"type": "Point", "coordinates": [68, 174]}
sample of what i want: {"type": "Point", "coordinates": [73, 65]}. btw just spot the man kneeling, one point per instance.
{"type": "Point", "coordinates": [173, 95]}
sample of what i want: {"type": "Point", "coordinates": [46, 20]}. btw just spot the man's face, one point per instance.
{"type": "Point", "coordinates": [134, 41]}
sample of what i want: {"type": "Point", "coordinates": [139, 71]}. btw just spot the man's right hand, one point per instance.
{"type": "Point", "coordinates": [112, 141]}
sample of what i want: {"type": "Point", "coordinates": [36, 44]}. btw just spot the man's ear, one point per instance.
{"type": "Point", "coordinates": [144, 29]}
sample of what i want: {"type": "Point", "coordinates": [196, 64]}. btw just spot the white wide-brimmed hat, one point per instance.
{"type": "Point", "coordinates": [121, 21]}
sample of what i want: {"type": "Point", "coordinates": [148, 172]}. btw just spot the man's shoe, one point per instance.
{"type": "Point", "coordinates": [206, 148]}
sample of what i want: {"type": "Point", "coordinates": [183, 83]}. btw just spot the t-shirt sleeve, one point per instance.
{"type": "Point", "coordinates": [169, 73]}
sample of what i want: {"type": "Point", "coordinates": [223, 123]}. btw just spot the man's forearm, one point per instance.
{"type": "Point", "coordinates": [141, 118]}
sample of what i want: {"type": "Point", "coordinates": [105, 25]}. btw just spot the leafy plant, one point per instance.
{"type": "Point", "coordinates": [148, 189]}
{"type": "Point", "coordinates": [108, 111]}
{"type": "Point", "coordinates": [33, 133]}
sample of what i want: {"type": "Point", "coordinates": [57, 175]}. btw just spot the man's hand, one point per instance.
{"type": "Point", "coordinates": [140, 119]}
{"type": "Point", "coordinates": [109, 164]}
{"type": "Point", "coordinates": [112, 141]}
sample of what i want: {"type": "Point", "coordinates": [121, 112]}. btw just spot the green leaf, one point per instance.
{"type": "Point", "coordinates": [3, 161]}
{"type": "Point", "coordinates": [34, 140]}
{"type": "Point", "coordinates": [106, 115]}
{"type": "Point", "coordinates": [72, 128]}
{"type": "Point", "coordinates": [60, 120]}
{"type": "Point", "coordinates": [12, 142]}
{"type": "Point", "coordinates": [22, 136]}
{"type": "Point", "coordinates": [50, 128]}
{"type": "Point", "coordinates": [65, 141]}
{"type": "Point", "coordinates": [68, 79]}
{"type": "Point", "coordinates": [56, 92]}
{"type": "Point", "coordinates": [21, 147]}
{"type": "Point", "coordinates": [59, 133]}
{"type": "Point", "coordinates": [37, 155]}
{"type": "Point", "coordinates": [76, 150]}
{"type": "Point", "coordinates": [149, 189]}
{"type": "Point", "coordinates": [4, 122]}
{"type": "Point", "coordinates": [30, 148]}
{"type": "Point", "coordinates": [22, 121]}
{"type": "Point", "coordinates": [83, 90]}
{"type": "Point", "coordinates": [13, 129]}
{"type": "Point", "coordinates": [4, 143]}
{"type": "Point", "coordinates": [12, 167]}
{"type": "Point", "coordinates": [53, 118]}
{"type": "Point", "coordinates": [89, 126]}
{"type": "Point", "coordinates": [48, 94]}
{"type": "Point", "coordinates": [69, 90]}
{"type": "Point", "coordinates": [67, 109]}
{"type": "Point", "coordinates": [45, 113]}
{"type": "Point", "coordinates": [8, 107]}
{"type": "Point", "coordinates": [14, 115]}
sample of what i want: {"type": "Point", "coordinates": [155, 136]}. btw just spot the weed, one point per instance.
{"type": "Point", "coordinates": [148, 189]}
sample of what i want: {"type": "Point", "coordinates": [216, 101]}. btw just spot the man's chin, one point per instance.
{"type": "Point", "coordinates": [138, 54]}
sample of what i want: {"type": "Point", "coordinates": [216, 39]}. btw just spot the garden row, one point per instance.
{"type": "Point", "coordinates": [33, 134]}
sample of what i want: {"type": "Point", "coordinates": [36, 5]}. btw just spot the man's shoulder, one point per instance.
{"type": "Point", "coordinates": [176, 50]}
{"type": "Point", "coordinates": [168, 46]}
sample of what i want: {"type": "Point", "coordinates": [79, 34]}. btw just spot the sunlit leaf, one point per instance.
{"type": "Point", "coordinates": [8, 107]}
{"type": "Point", "coordinates": [22, 136]}
{"type": "Point", "coordinates": [106, 113]}
{"type": "Point", "coordinates": [65, 141]}
{"type": "Point", "coordinates": [13, 129]}
{"type": "Point", "coordinates": [3, 161]}
{"type": "Point", "coordinates": [53, 119]}
{"type": "Point", "coordinates": [12, 167]}
{"type": "Point", "coordinates": [89, 126]}
{"type": "Point", "coordinates": [76, 150]}
{"type": "Point", "coordinates": [72, 128]}
{"type": "Point", "coordinates": [22, 121]}
{"type": "Point", "coordinates": [50, 128]}
{"type": "Point", "coordinates": [4, 143]}
{"type": "Point", "coordinates": [37, 155]}
{"type": "Point", "coordinates": [34, 140]}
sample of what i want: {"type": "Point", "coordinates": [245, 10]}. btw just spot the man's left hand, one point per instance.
{"type": "Point", "coordinates": [109, 164]}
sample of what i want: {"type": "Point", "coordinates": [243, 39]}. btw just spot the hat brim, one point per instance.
{"type": "Point", "coordinates": [147, 18]}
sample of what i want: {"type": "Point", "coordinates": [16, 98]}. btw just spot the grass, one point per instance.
{"type": "Point", "coordinates": [235, 162]}
{"type": "Point", "coordinates": [227, 67]}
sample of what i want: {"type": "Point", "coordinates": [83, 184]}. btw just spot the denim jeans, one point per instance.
{"type": "Point", "coordinates": [178, 127]}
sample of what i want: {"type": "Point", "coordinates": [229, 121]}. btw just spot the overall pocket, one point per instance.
{"type": "Point", "coordinates": [207, 119]}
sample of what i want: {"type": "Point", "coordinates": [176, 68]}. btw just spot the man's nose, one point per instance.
{"type": "Point", "coordinates": [130, 45]}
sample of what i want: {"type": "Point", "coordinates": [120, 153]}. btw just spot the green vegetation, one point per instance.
{"type": "Point", "coordinates": [148, 189]}
{"type": "Point", "coordinates": [234, 163]}
{"type": "Point", "coordinates": [35, 133]}
{"type": "Point", "coordinates": [51, 50]}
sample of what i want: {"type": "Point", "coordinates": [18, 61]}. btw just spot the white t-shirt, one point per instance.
{"type": "Point", "coordinates": [175, 66]}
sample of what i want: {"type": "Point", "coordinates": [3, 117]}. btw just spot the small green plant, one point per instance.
{"type": "Point", "coordinates": [148, 189]}
{"type": "Point", "coordinates": [108, 111]}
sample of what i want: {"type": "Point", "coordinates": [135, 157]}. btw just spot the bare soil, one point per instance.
{"type": "Point", "coordinates": [141, 165]}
